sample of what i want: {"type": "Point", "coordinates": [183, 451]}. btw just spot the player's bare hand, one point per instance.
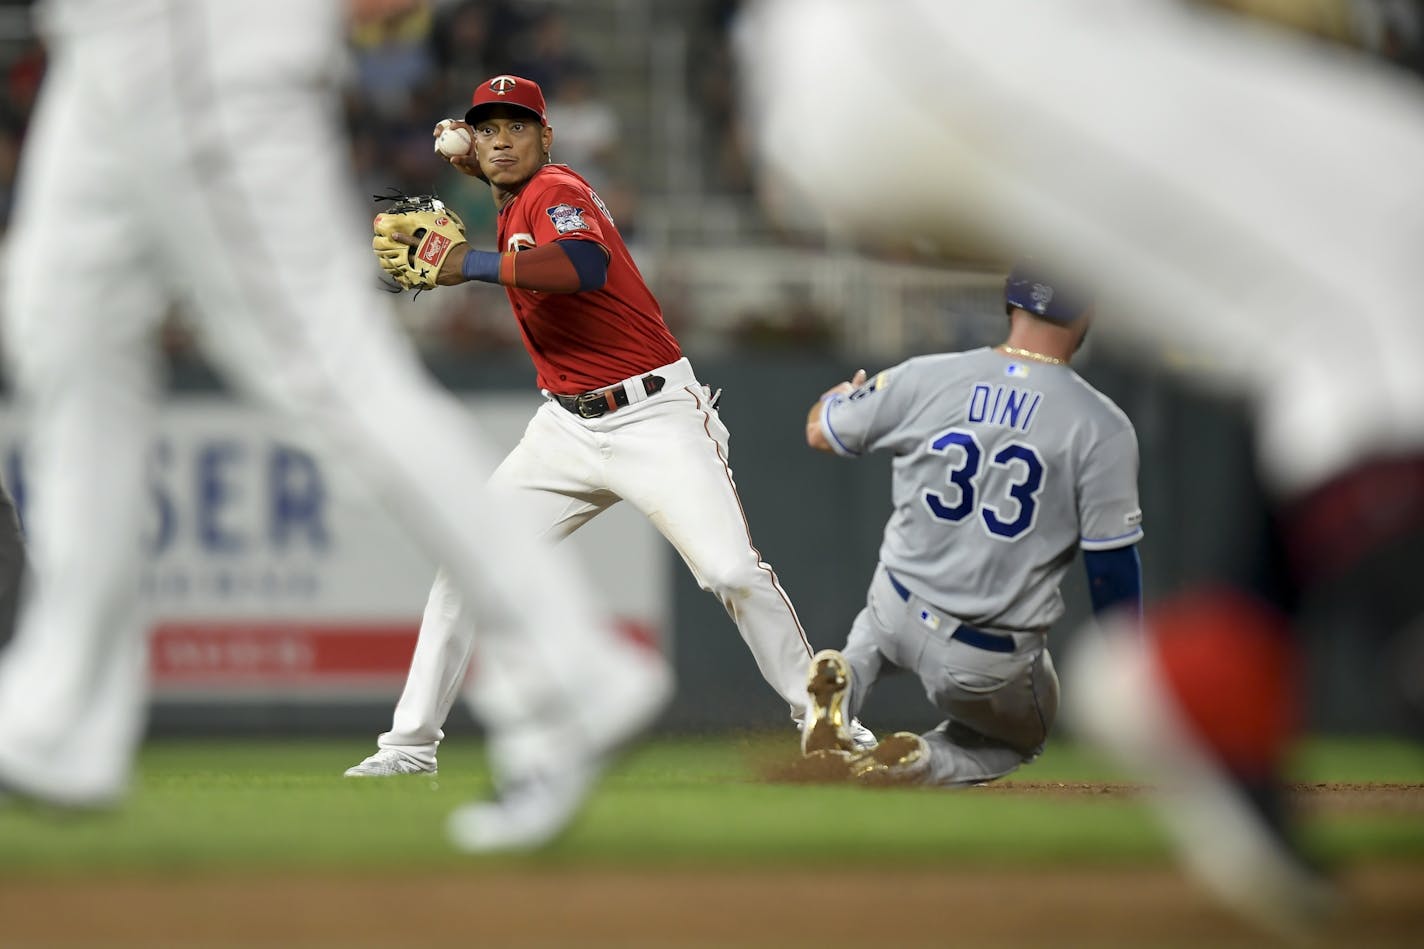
{"type": "Point", "coordinates": [815, 437]}
{"type": "Point", "coordinates": [841, 388]}
{"type": "Point", "coordinates": [455, 142]}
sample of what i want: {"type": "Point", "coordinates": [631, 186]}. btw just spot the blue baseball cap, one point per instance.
{"type": "Point", "coordinates": [1030, 288]}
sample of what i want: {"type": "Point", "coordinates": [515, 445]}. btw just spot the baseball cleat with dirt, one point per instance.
{"type": "Point", "coordinates": [901, 758]}
{"type": "Point", "coordinates": [827, 726]}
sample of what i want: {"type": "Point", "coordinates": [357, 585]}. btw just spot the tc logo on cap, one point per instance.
{"type": "Point", "coordinates": [507, 90]}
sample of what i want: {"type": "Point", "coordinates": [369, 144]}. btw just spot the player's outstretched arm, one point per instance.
{"type": "Point", "coordinates": [815, 435]}
{"type": "Point", "coordinates": [561, 267]}
{"type": "Point", "coordinates": [565, 266]}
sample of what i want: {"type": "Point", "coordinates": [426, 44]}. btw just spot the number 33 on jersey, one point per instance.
{"type": "Point", "coordinates": [1002, 467]}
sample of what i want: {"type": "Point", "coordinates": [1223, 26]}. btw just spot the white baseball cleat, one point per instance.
{"type": "Point", "coordinates": [533, 808]}
{"type": "Point", "coordinates": [1120, 702]}
{"type": "Point", "coordinates": [527, 815]}
{"type": "Point", "coordinates": [861, 737]}
{"type": "Point", "coordinates": [387, 763]}
{"type": "Point", "coordinates": [827, 727]}
{"type": "Point", "coordinates": [18, 794]}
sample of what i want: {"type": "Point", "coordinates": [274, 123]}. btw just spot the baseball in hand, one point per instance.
{"type": "Point", "coordinates": [454, 140]}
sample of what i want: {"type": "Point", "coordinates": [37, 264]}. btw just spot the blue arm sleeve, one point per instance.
{"type": "Point", "coordinates": [1114, 579]}
{"type": "Point", "coordinates": [589, 260]}
{"type": "Point", "coordinates": [482, 265]}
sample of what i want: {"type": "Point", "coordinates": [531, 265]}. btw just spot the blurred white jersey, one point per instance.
{"type": "Point", "coordinates": [191, 153]}
{"type": "Point", "coordinates": [1233, 191]}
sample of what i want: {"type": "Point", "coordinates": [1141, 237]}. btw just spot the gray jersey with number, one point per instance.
{"type": "Point", "coordinates": [1003, 466]}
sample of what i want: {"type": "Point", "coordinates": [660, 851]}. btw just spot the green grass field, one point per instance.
{"type": "Point", "coordinates": [223, 805]}
{"type": "Point", "coordinates": [686, 844]}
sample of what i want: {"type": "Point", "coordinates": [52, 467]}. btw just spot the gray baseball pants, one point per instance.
{"type": "Point", "coordinates": [998, 689]}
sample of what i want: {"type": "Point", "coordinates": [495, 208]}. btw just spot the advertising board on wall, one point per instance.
{"type": "Point", "coordinates": [268, 574]}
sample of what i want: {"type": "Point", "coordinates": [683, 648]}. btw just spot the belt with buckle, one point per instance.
{"type": "Point", "coordinates": [994, 642]}
{"type": "Point", "coordinates": [602, 401]}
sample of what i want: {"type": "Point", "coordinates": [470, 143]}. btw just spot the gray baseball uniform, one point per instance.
{"type": "Point", "coordinates": [1002, 467]}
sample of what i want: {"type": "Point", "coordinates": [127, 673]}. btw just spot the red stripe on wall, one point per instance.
{"type": "Point", "coordinates": [185, 654]}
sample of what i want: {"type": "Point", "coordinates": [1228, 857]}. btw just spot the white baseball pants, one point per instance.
{"type": "Point", "coordinates": [667, 456]}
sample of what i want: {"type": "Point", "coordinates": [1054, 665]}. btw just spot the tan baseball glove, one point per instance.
{"type": "Point", "coordinates": [413, 237]}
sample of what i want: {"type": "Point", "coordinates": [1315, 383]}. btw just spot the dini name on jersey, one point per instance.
{"type": "Point", "coordinates": [1003, 405]}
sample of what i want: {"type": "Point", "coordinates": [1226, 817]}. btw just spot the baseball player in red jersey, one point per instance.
{"type": "Point", "coordinates": [626, 419]}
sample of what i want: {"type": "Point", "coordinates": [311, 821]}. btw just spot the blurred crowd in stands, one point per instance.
{"type": "Point", "coordinates": [410, 71]}
{"type": "Point", "coordinates": [405, 74]}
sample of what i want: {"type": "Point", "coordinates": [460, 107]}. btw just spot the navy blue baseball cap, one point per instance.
{"type": "Point", "coordinates": [1029, 287]}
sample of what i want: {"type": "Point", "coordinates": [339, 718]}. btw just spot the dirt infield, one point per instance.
{"type": "Point", "coordinates": [834, 907]}
{"type": "Point", "coordinates": [1322, 797]}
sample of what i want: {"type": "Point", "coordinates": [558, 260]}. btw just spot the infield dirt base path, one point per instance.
{"type": "Point", "coordinates": [760, 907]}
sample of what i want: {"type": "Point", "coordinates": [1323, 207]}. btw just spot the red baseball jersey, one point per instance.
{"type": "Point", "coordinates": [594, 338]}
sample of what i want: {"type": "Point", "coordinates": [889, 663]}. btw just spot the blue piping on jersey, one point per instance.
{"type": "Point", "coordinates": [841, 447]}
{"type": "Point", "coordinates": [1109, 540]}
